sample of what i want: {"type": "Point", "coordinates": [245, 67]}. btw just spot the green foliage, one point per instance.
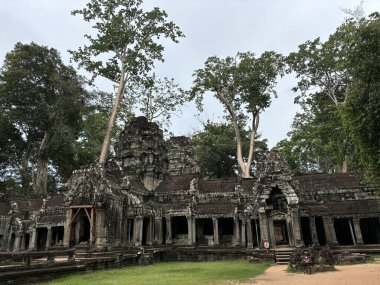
{"type": "Point", "coordinates": [125, 48]}
{"type": "Point", "coordinates": [339, 96]}
{"type": "Point", "coordinates": [244, 85]}
{"type": "Point", "coordinates": [41, 99]}
{"type": "Point", "coordinates": [362, 110]}
{"type": "Point", "coordinates": [216, 149]}
{"type": "Point", "coordinates": [189, 273]}
{"type": "Point", "coordinates": [126, 34]}
{"type": "Point", "coordinates": [157, 99]}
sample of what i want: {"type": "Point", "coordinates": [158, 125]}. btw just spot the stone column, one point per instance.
{"type": "Point", "coordinates": [236, 231]}
{"type": "Point", "coordinates": [158, 230]}
{"type": "Point", "coordinates": [23, 245]}
{"type": "Point", "coordinates": [48, 238]}
{"type": "Point", "coordinates": [328, 224]}
{"type": "Point", "coordinates": [216, 230]}
{"type": "Point", "coordinates": [67, 233]}
{"type": "Point", "coordinates": [33, 240]}
{"type": "Point", "coordinates": [101, 228]}
{"type": "Point", "coordinates": [168, 230]}
{"type": "Point", "coordinates": [313, 228]}
{"type": "Point", "coordinates": [17, 244]}
{"type": "Point", "coordinates": [272, 239]}
{"type": "Point", "coordinates": [358, 231]}
{"type": "Point", "coordinates": [138, 230]}
{"type": "Point", "coordinates": [296, 227]}
{"type": "Point", "coordinates": [194, 231]}
{"type": "Point", "coordinates": [243, 240]}
{"type": "Point", "coordinates": [249, 234]}
{"type": "Point", "coordinates": [264, 231]}
{"type": "Point", "coordinates": [191, 231]}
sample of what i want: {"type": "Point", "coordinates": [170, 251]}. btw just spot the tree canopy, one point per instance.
{"type": "Point", "coordinates": [41, 100]}
{"type": "Point", "coordinates": [128, 39]}
{"type": "Point", "coordinates": [244, 84]}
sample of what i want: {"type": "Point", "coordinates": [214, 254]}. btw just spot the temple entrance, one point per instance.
{"type": "Point", "coordinates": [306, 231]}
{"type": "Point", "coordinates": [41, 238]}
{"type": "Point", "coordinates": [344, 231]}
{"type": "Point", "coordinates": [256, 237]}
{"type": "Point", "coordinates": [280, 232]}
{"type": "Point", "coordinates": [320, 231]}
{"type": "Point", "coordinates": [179, 230]}
{"type": "Point", "coordinates": [205, 231]}
{"type": "Point", "coordinates": [370, 228]}
{"type": "Point", "coordinates": [57, 235]}
{"type": "Point", "coordinates": [226, 230]}
{"type": "Point", "coordinates": [82, 225]}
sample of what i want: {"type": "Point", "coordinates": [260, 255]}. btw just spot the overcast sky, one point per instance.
{"type": "Point", "coordinates": [212, 27]}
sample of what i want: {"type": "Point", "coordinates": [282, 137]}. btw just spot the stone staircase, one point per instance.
{"type": "Point", "coordinates": [282, 255]}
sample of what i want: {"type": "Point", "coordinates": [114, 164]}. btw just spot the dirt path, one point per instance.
{"type": "Point", "coordinates": [367, 274]}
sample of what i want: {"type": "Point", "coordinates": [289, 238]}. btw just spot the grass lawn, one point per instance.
{"type": "Point", "coordinates": [172, 273]}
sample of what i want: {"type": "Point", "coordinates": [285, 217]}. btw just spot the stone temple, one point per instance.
{"type": "Point", "coordinates": [150, 195]}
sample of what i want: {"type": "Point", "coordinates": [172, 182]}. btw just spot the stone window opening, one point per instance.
{"type": "Point", "coordinates": [345, 234]}
{"type": "Point", "coordinates": [321, 235]}
{"type": "Point", "coordinates": [370, 228]}
{"type": "Point", "coordinates": [204, 231]}
{"type": "Point", "coordinates": [226, 230]}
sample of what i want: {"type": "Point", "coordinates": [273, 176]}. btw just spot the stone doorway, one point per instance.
{"type": "Point", "coordinates": [82, 227]}
{"type": "Point", "coordinates": [280, 232]}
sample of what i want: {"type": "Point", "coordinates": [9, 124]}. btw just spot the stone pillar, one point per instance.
{"type": "Point", "coordinates": [23, 245]}
{"type": "Point", "coordinates": [249, 234]}
{"type": "Point", "coordinates": [194, 231]}
{"type": "Point", "coordinates": [243, 229]}
{"type": "Point", "coordinates": [48, 238]}
{"type": "Point", "coordinates": [67, 233]}
{"type": "Point", "coordinates": [17, 244]}
{"type": "Point", "coordinates": [138, 231]}
{"type": "Point", "coordinates": [358, 231]}
{"type": "Point", "coordinates": [296, 227]}
{"type": "Point", "coordinates": [236, 231]}
{"type": "Point", "coordinates": [158, 230]}
{"type": "Point", "coordinates": [33, 240]}
{"type": "Point", "coordinates": [313, 228]}
{"type": "Point", "coordinates": [328, 224]}
{"type": "Point", "coordinates": [191, 230]}
{"type": "Point", "coordinates": [168, 230]}
{"type": "Point", "coordinates": [264, 231]}
{"type": "Point", "coordinates": [149, 232]}
{"type": "Point", "coordinates": [272, 239]}
{"type": "Point", "coordinates": [101, 230]}
{"type": "Point", "coordinates": [216, 230]}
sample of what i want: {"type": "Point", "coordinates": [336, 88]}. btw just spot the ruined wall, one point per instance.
{"type": "Point", "coordinates": [181, 156]}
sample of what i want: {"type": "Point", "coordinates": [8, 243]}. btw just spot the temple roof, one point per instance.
{"type": "Point", "coordinates": [177, 183]}
{"type": "Point", "coordinates": [315, 182]}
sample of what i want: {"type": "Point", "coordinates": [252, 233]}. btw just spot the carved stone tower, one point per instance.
{"type": "Point", "coordinates": [142, 152]}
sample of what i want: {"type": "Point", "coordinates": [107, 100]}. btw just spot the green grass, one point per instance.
{"type": "Point", "coordinates": [184, 273]}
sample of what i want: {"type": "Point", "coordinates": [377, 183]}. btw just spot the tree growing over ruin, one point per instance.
{"type": "Point", "coordinates": [244, 84]}
{"type": "Point", "coordinates": [125, 46]}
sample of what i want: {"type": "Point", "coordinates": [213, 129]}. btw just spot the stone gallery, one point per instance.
{"type": "Point", "coordinates": [150, 195]}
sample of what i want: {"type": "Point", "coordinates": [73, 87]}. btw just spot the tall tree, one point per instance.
{"type": "Point", "coordinates": [216, 150]}
{"type": "Point", "coordinates": [128, 38]}
{"type": "Point", "coordinates": [157, 99]}
{"type": "Point", "coordinates": [338, 94]}
{"type": "Point", "coordinates": [361, 112]}
{"type": "Point", "coordinates": [244, 85]}
{"type": "Point", "coordinates": [42, 98]}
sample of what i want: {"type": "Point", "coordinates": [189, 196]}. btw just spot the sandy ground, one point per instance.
{"type": "Point", "coordinates": [366, 274]}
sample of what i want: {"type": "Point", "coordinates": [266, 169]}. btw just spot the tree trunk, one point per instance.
{"type": "Point", "coordinates": [42, 176]}
{"type": "Point", "coordinates": [42, 166]}
{"type": "Point", "coordinates": [25, 176]}
{"type": "Point", "coordinates": [255, 125]}
{"type": "Point", "coordinates": [111, 123]}
{"type": "Point", "coordinates": [345, 165]}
